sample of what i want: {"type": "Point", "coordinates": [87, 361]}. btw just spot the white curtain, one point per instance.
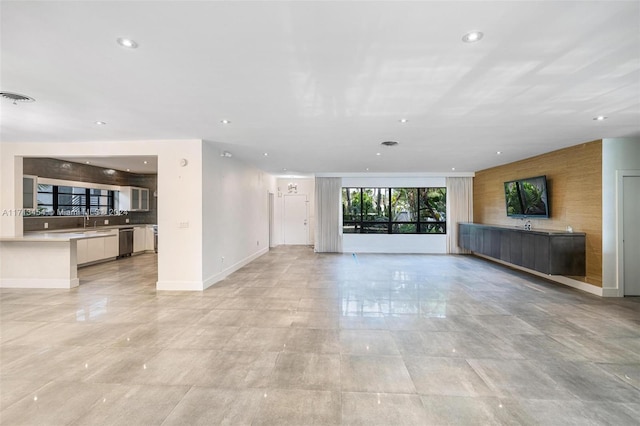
{"type": "Point", "coordinates": [459, 209]}
{"type": "Point", "coordinates": [328, 215]}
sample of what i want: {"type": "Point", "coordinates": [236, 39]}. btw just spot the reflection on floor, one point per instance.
{"type": "Point", "coordinates": [298, 338]}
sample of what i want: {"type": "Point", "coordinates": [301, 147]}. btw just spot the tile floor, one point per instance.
{"type": "Point", "coordinates": [297, 338]}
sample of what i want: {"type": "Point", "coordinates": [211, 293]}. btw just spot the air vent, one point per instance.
{"type": "Point", "coordinates": [389, 143]}
{"type": "Point", "coordinates": [15, 97]}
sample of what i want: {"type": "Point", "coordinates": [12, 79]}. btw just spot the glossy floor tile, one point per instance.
{"type": "Point", "coordinates": [298, 338]}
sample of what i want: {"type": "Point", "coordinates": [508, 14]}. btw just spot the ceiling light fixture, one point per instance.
{"type": "Point", "coordinates": [472, 37]}
{"type": "Point", "coordinates": [128, 170]}
{"type": "Point", "coordinates": [389, 143]}
{"type": "Point", "coordinates": [453, 169]}
{"type": "Point", "coordinates": [377, 153]}
{"type": "Point", "coordinates": [145, 162]}
{"type": "Point", "coordinates": [266, 154]}
{"type": "Point", "coordinates": [600, 118]}
{"type": "Point", "coordinates": [87, 162]}
{"type": "Point", "coordinates": [16, 97]}
{"type": "Point", "coordinates": [403, 120]}
{"type": "Point", "coordinates": [225, 121]}
{"type": "Point", "coordinates": [226, 154]}
{"type": "Point", "coordinates": [100, 123]}
{"type": "Point", "coordinates": [499, 152]}
{"type": "Point", "coordinates": [127, 42]}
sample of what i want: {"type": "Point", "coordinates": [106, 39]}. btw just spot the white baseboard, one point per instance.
{"type": "Point", "coordinates": [39, 283]}
{"type": "Point", "coordinates": [203, 285]}
{"type": "Point", "coordinates": [611, 292]}
{"type": "Point", "coordinates": [589, 288]}
{"type": "Point", "coordinates": [231, 269]}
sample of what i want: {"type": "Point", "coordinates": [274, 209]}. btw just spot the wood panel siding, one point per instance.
{"type": "Point", "coordinates": [574, 180]}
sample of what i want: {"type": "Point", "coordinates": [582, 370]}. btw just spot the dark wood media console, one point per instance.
{"type": "Point", "coordinates": [549, 252]}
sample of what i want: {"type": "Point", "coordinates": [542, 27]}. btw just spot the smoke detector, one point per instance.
{"type": "Point", "coordinates": [16, 97]}
{"type": "Point", "coordinates": [389, 143]}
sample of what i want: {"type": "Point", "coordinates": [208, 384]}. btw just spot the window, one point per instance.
{"type": "Point", "coordinates": [394, 210]}
{"type": "Point", "coordinates": [54, 200]}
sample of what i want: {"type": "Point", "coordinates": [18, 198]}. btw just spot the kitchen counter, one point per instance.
{"type": "Point", "coordinates": [44, 260]}
{"type": "Point", "coordinates": [57, 236]}
{"type": "Point", "coordinates": [88, 229]}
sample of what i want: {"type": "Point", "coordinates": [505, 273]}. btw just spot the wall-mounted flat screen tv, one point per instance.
{"type": "Point", "coordinates": [527, 197]}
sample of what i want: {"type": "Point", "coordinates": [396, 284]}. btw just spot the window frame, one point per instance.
{"type": "Point", "coordinates": [392, 227]}
{"type": "Point", "coordinates": [58, 209]}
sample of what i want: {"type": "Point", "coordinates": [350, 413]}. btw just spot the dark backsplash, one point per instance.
{"type": "Point", "coordinates": [58, 169]}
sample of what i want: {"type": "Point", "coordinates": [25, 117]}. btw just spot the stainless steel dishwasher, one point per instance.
{"type": "Point", "coordinates": [126, 242]}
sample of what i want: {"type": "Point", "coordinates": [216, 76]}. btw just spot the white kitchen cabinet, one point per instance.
{"type": "Point", "coordinates": [149, 240]}
{"type": "Point", "coordinates": [81, 251]}
{"type": "Point", "coordinates": [95, 249]}
{"type": "Point", "coordinates": [29, 192]}
{"type": "Point", "coordinates": [139, 238]}
{"type": "Point", "coordinates": [133, 199]}
{"type": "Point", "coordinates": [111, 248]}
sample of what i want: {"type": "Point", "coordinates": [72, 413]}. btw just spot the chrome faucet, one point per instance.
{"type": "Point", "coordinates": [86, 219]}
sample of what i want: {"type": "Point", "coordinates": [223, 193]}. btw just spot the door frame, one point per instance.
{"type": "Point", "coordinates": [271, 209]}
{"type": "Point", "coordinates": [620, 175]}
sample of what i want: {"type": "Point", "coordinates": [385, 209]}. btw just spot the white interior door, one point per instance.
{"type": "Point", "coordinates": [631, 234]}
{"type": "Point", "coordinates": [296, 219]}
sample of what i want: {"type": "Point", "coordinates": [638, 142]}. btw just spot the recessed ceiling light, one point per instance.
{"type": "Point", "coordinates": [266, 154]}
{"type": "Point", "coordinates": [453, 169]}
{"type": "Point", "coordinates": [472, 37]}
{"type": "Point", "coordinates": [499, 152]}
{"type": "Point", "coordinates": [100, 123]}
{"type": "Point", "coordinates": [403, 120]}
{"type": "Point", "coordinates": [128, 170]}
{"type": "Point", "coordinates": [225, 121]}
{"type": "Point", "coordinates": [127, 42]}
{"type": "Point", "coordinates": [377, 153]}
{"type": "Point", "coordinates": [145, 162]}
{"type": "Point", "coordinates": [367, 169]}
{"type": "Point", "coordinates": [600, 118]}
{"type": "Point", "coordinates": [87, 162]}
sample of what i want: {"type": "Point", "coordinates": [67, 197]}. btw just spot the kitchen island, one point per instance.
{"type": "Point", "coordinates": [43, 260]}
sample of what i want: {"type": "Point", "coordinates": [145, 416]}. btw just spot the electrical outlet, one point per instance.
{"type": "Point", "coordinates": [183, 224]}
{"type": "Point", "coordinates": [46, 225]}
{"type": "Point", "coordinates": [106, 221]}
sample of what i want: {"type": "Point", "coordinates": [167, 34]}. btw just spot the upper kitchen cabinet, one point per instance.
{"type": "Point", "coordinates": [29, 192]}
{"type": "Point", "coordinates": [133, 199]}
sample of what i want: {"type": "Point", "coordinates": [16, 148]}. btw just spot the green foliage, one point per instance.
{"type": "Point", "coordinates": [433, 204]}
{"type": "Point", "coordinates": [513, 199]}
{"type": "Point", "coordinates": [532, 198]}
{"type": "Point", "coordinates": [367, 210]}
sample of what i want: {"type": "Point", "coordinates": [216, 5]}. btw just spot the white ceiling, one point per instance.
{"type": "Point", "coordinates": [318, 85]}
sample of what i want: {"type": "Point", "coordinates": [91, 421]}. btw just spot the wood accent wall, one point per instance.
{"type": "Point", "coordinates": [574, 181]}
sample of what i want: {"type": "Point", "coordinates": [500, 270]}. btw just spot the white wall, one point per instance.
{"type": "Point", "coordinates": [617, 155]}
{"type": "Point", "coordinates": [376, 243]}
{"type": "Point", "coordinates": [306, 186]}
{"type": "Point", "coordinates": [179, 198]}
{"type": "Point", "coordinates": [235, 213]}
